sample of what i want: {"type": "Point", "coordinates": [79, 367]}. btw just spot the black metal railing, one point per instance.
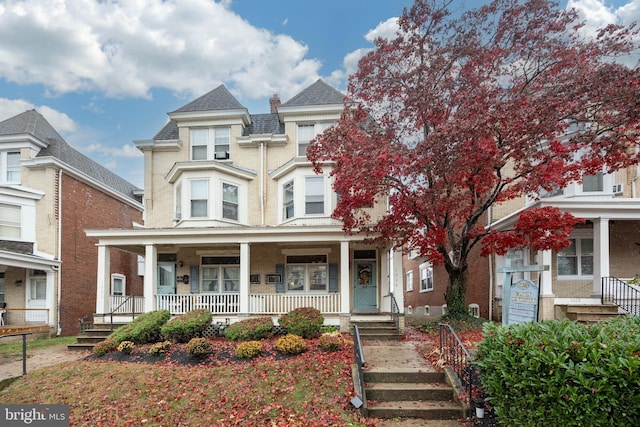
{"type": "Point", "coordinates": [358, 356]}
{"type": "Point", "coordinates": [456, 356]}
{"type": "Point", "coordinates": [620, 293]}
{"type": "Point", "coordinates": [113, 311]}
{"type": "Point", "coordinates": [24, 348]}
{"type": "Point", "coordinates": [395, 313]}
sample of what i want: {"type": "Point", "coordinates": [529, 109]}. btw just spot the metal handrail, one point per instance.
{"type": "Point", "coordinates": [358, 356]}
{"type": "Point", "coordinates": [457, 357]}
{"type": "Point", "coordinates": [395, 313]}
{"type": "Point", "coordinates": [620, 293]}
{"type": "Point", "coordinates": [133, 310]}
{"type": "Point", "coordinates": [24, 348]}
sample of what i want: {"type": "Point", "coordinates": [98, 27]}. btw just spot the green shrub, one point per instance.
{"type": "Point", "coordinates": [291, 344]}
{"type": "Point", "coordinates": [328, 329]}
{"type": "Point", "coordinates": [248, 349]}
{"type": "Point", "coordinates": [189, 325]}
{"type": "Point", "coordinates": [104, 347]}
{"type": "Point", "coordinates": [126, 347]}
{"type": "Point", "coordinates": [143, 329]}
{"type": "Point", "coordinates": [305, 322]}
{"type": "Point", "coordinates": [160, 348]}
{"type": "Point", "coordinates": [255, 328]}
{"type": "Point", "coordinates": [198, 347]}
{"type": "Point", "coordinates": [563, 373]}
{"type": "Point", "coordinates": [330, 342]}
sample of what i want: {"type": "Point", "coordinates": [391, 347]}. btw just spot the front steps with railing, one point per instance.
{"type": "Point", "coordinates": [88, 339]}
{"type": "Point", "coordinates": [592, 313]}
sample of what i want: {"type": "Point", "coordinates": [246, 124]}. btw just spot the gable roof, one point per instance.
{"type": "Point", "coordinates": [318, 93]}
{"type": "Point", "coordinates": [218, 99]}
{"type": "Point", "coordinates": [33, 123]}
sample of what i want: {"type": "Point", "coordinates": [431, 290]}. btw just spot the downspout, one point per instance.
{"type": "Point", "coordinates": [57, 272]}
{"type": "Point", "coordinates": [491, 261]}
{"type": "Point", "coordinates": [262, 183]}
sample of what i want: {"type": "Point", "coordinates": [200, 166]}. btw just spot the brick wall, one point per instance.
{"type": "Point", "coordinates": [85, 207]}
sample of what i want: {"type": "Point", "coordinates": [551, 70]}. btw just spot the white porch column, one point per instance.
{"type": "Point", "coordinates": [245, 264]}
{"type": "Point", "coordinates": [345, 283]}
{"type": "Point", "coordinates": [150, 277]}
{"type": "Point", "coordinates": [103, 280]}
{"type": "Point", "coordinates": [600, 253]}
{"type": "Point", "coordinates": [547, 297]}
{"type": "Point", "coordinates": [397, 275]}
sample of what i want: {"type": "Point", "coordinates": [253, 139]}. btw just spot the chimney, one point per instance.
{"type": "Point", "coordinates": [274, 103]}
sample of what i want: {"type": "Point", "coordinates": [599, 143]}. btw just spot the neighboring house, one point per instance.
{"type": "Point", "coordinates": [606, 246]}
{"type": "Point", "coordinates": [50, 193]}
{"type": "Point", "coordinates": [238, 222]}
{"type": "Point", "coordinates": [425, 286]}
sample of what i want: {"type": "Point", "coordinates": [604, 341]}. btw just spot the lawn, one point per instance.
{"type": "Point", "coordinates": [313, 388]}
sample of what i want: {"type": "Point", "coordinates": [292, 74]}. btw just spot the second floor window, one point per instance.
{"type": "Point", "coordinates": [10, 221]}
{"type": "Point", "coordinates": [314, 195]}
{"type": "Point", "coordinates": [229, 201]}
{"type": "Point", "coordinates": [210, 143]}
{"type": "Point", "coordinates": [592, 183]}
{"type": "Point", "coordinates": [287, 198]}
{"type": "Point", "coordinates": [9, 167]}
{"type": "Point", "coordinates": [199, 198]}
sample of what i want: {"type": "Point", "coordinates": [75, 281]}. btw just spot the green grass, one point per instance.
{"type": "Point", "coordinates": [14, 350]}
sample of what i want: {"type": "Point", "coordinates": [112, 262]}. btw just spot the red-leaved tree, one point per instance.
{"type": "Point", "coordinates": [460, 113]}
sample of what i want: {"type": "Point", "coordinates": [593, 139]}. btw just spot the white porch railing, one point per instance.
{"type": "Point", "coordinates": [126, 304]}
{"type": "Point", "coordinates": [217, 303]}
{"type": "Point", "coordinates": [284, 303]}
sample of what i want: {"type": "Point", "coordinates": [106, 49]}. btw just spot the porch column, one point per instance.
{"type": "Point", "coordinates": [345, 284]}
{"type": "Point", "coordinates": [150, 277]}
{"type": "Point", "coordinates": [600, 253]}
{"type": "Point", "coordinates": [103, 280]}
{"type": "Point", "coordinates": [547, 297]}
{"type": "Point", "coordinates": [245, 264]}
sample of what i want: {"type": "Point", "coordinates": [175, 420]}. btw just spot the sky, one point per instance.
{"type": "Point", "coordinates": [105, 73]}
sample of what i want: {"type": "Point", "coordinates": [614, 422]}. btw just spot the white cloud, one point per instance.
{"type": "Point", "coordinates": [126, 48]}
{"type": "Point", "coordinates": [600, 13]}
{"type": "Point", "coordinates": [59, 120]}
{"type": "Point", "coordinates": [126, 151]}
{"type": "Point", "coordinates": [385, 30]}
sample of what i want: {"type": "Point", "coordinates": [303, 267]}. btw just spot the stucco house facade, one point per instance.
{"type": "Point", "coordinates": [50, 193]}
{"type": "Point", "coordinates": [238, 222]}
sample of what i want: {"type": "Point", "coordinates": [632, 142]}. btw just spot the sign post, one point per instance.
{"type": "Point", "coordinates": [520, 299]}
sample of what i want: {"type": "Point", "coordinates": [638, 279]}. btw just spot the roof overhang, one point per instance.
{"type": "Point", "coordinates": [33, 262]}
{"type": "Point", "coordinates": [180, 167]}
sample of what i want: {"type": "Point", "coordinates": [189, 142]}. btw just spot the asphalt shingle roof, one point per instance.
{"type": "Point", "coordinates": [33, 123]}
{"type": "Point", "coordinates": [318, 93]}
{"type": "Point", "coordinates": [218, 99]}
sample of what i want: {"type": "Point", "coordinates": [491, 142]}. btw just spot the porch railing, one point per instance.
{"type": "Point", "coordinates": [25, 316]}
{"type": "Point", "coordinates": [284, 303]}
{"type": "Point", "coordinates": [620, 293]}
{"type": "Point", "coordinates": [126, 304]}
{"type": "Point", "coordinates": [217, 303]}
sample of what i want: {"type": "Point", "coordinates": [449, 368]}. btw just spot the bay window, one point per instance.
{"type": "Point", "coordinates": [199, 198]}
{"type": "Point", "coordinates": [288, 197]}
{"type": "Point", "coordinates": [314, 195]}
{"type": "Point", "coordinates": [229, 201]}
{"type": "Point", "coordinates": [10, 221]}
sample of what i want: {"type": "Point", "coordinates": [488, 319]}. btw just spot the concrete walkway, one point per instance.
{"type": "Point", "coordinates": [40, 358]}
{"type": "Point", "coordinates": [397, 356]}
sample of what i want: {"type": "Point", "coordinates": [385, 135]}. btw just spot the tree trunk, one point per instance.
{"type": "Point", "coordinates": [456, 292]}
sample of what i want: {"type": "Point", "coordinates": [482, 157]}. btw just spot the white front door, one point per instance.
{"type": "Point", "coordinates": [36, 300]}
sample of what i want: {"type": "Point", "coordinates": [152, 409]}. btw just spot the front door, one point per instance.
{"type": "Point", "coordinates": [166, 278]}
{"type": "Point", "coordinates": [365, 289]}
{"type": "Point", "coordinates": [36, 299]}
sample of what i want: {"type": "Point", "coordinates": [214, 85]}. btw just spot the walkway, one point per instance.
{"type": "Point", "coordinates": [38, 359]}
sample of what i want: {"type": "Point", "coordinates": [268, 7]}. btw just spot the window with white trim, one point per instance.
{"type": "Point", "coordinates": [314, 195]}
{"type": "Point", "coordinates": [426, 277]}
{"type": "Point", "coordinates": [288, 197]}
{"type": "Point", "coordinates": [230, 201]}
{"type": "Point", "coordinates": [199, 198]}
{"type": "Point", "coordinates": [177, 213]}
{"type": "Point", "coordinates": [593, 183]}
{"type": "Point", "coordinates": [307, 132]}
{"type": "Point", "coordinates": [220, 274]}
{"type": "Point", "coordinates": [307, 273]}
{"type": "Point", "coordinates": [409, 281]}
{"type": "Point", "coordinates": [118, 284]}
{"type": "Point", "coordinates": [10, 221]}
{"type": "Point", "coordinates": [210, 143]}
{"type": "Point", "coordinates": [577, 258]}
{"type": "Point", "coordinates": [10, 165]}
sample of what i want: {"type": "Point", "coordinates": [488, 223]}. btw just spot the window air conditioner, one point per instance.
{"type": "Point", "coordinates": [618, 188]}
{"type": "Point", "coordinates": [221, 155]}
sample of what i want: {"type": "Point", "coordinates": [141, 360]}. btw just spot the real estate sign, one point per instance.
{"type": "Point", "coordinates": [520, 299]}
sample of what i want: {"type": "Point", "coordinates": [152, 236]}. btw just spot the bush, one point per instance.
{"type": "Point", "coordinates": [187, 326]}
{"type": "Point", "coordinates": [291, 344]}
{"type": "Point", "coordinates": [125, 347]}
{"type": "Point", "coordinates": [330, 342]}
{"type": "Point", "coordinates": [256, 328]}
{"type": "Point", "coordinates": [144, 329]}
{"type": "Point", "coordinates": [198, 347]}
{"type": "Point", "coordinates": [104, 347]}
{"type": "Point", "coordinates": [562, 372]}
{"type": "Point", "coordinates": [305, 322]}
{"type": "Point", "coordinates": [160, 348]}
{"type": "Point", "coordinates": [249, 349]}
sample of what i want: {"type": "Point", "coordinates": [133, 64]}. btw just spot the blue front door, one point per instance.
{"type": "Point", "coordinates": [365, 289]}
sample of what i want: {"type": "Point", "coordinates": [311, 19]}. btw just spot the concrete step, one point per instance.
{"type": "Point", "coordinates": [89, 339]}
{"type": "Point", "coordinates": [377, 330]}
{"type": "Point", "coordinates": [595, 308]}
{"type": "Point", "coordinates": [409, 375]}
{"type": "Point", "coordinates": [589, 317]}
{"type": "Point", "coordinates": [427, 410]}
{"type": "Point", "coordinates": [380, 336]}
{"type": "Point", "coordinates": [390, 392]}
{"type": "Point", "coordinates": [80, 347]}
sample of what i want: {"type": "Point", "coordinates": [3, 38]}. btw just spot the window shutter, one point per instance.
{"type": "Point", "coordinates": [333, 277]}
{"type": "Point", "coordinates": [280, 271]}
{"type": "Point", "coordinates": [193, 279]}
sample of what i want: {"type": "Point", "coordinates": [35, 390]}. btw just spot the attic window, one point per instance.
{"type": "Point", "coordinates": [210, 143]}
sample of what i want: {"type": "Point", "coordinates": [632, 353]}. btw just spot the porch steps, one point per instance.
{"type": "Point", "coordinates": [592, 313]}
{"type": "Point", "coordinates": [90, 337]}
{"type": "Point", "coordinates": [384, 330]}
{"type": "Point", "coordinates": [399, 388]}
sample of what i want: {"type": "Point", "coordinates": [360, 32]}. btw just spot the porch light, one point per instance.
{"type": "Point", "coordinates": [18, 282]}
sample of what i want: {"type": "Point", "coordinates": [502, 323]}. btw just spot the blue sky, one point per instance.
{"type": "Point", "coordinates": [105, 73]}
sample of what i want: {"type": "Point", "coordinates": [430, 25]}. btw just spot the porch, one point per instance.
{"type": "Point", "coordinates": [19, 320]}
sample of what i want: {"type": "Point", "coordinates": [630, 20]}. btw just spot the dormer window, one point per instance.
{"type": "Point", "coordinates": [306, 133]}
{"type": "Point", "coordinates": [210, 143]}
{"type": "Point", "coordinates": [10, 166]}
